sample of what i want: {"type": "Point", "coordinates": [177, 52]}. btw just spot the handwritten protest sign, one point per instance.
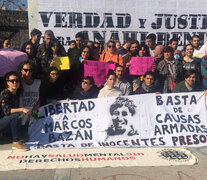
{"type": "Point", "coordinates": [149, 120]}
{"type": "Point", "coordinates": [140, 65]}
{"type": "Point", "coordinates": [62, 63]}
{"type": "Point", "coordinates": [98, 70]}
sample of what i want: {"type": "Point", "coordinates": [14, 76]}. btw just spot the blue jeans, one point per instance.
{"type": "Point", "coordinates": [14, 122]}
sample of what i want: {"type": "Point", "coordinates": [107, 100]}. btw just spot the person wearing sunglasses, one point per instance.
{"type": "Point", "coordinates": [111, 54]}
{"type": "Point", "coordinates": [51, 87]}
{"type": "Point", "coordinates": [10, 111]}
{"type": "Point", "coordinates": [87, 89]}
{"type": "Point", "coordinates": [30, 97]}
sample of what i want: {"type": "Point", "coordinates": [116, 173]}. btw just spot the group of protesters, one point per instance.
{"type": "Point", "coordinates": [38, 82]}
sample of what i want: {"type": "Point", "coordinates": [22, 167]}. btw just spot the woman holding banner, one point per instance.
{"type": "Point", "coordinates": [10, 111]}
{"type": "Point", "coordinates": [111, 54]}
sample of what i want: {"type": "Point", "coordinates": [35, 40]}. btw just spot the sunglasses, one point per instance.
{"type": "Point", "coordinates": [111, 46]}
{"type": "Point", "coordinates": [13, 80]}
{"type": "Point", "coordinates": [26, 70]}
{"type": "Point", "coordinates": [85, 82]}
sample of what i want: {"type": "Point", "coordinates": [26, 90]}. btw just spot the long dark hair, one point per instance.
{"type": "Point", "coordinates": [14, 73]}
{"type": "Point", "coordinates": [147, 53]}
{"type": "Point", "coordinates": [24, 49]}
{"type": "Point", "coordinates": [50, 69]}
{"type": "Point", "coordinates": [32, 66]}
{"type": "Point", "coordinates": [49, 52]}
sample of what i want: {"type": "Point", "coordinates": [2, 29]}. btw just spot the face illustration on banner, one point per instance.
{"type": "Point", "coordinates": [121, 111]}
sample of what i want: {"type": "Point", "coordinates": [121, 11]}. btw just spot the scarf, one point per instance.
{"type": "Point", "coordinates": [148, 89]}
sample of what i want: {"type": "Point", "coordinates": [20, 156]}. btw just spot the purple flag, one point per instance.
{"type": "Point", "coordinates": [10, 59]}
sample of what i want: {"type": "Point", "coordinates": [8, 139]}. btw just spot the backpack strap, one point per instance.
{"type": "Point", "coordinates": [118, 57]}
{"type": "Point", "coordinates": [104, 56]}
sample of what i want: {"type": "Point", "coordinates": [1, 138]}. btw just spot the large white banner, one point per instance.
{"type": "Point", "coordinates": [132, 121]}
{"type": "Point", "coordinates": [101, 20]}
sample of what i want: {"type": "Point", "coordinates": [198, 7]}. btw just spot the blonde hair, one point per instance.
{"type": "Point", "coordinates": [106, 45]}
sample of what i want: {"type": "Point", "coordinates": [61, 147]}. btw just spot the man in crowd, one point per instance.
{"type": "Point", "coordinates": [35, 41]}
{"type": "Point", "coordinates": [48, 37]}
{"type": "Point", "coordinates": [158, 53]}
{"type": "Point", "coordinates": [76, 51]}
{"type": "Point", "coordinates": [174, 44]}
{"type": "Point", "coordinates": [189, 84]}
{"type": "Point", "coordinates": [73, 76]}
{"type": "Point", "coordinates": [120, 83]}
{"type": "Point", "coordinates": [125, 48]}
{"type": "Point", "coordinates": [151, 43]}
{"type": "Point", "coordinates": [134, 48]}
{"type": "Point", "coordinates": [133, 52]}
{"type": "Point", "coordinates": [195, 41]}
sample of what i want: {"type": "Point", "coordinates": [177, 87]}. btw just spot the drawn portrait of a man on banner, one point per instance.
{"type": "Point", "coordinates": [121, 111]}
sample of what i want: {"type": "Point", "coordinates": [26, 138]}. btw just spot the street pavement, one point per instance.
{"type": "Point", "coordinates": [194, 172]}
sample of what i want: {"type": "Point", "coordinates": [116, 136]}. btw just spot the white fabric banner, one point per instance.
{"type": "Point", "coordinates": [130, 121]}
{"type": "Point", "coordinates": [102, 20]}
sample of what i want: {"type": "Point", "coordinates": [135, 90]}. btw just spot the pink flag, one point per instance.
{"type": "Point", "coordinates": [140, 65]}
{"type": "Point", "coordinates": [98, 70]}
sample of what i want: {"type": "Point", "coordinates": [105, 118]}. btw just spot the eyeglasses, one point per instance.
{"type": "Point", "coordinates": [26, 70]}
{"type": "Point", "coordinates": [111, 46]}
{"type": "Point", "coordinates": [13, 80]}
{"type": "Point", "coordinates": [85, 82]}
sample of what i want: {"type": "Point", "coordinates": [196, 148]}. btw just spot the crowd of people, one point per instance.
{"type": "Point", "coordinates": [38, 82]}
